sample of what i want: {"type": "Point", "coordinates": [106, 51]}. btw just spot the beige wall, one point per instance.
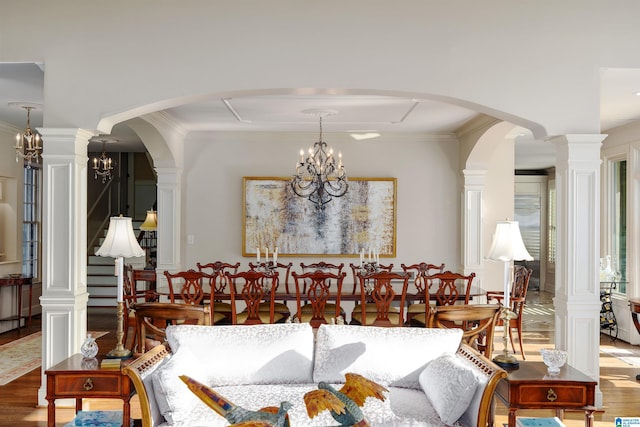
{"type": "Point", "coordinates": [426, 171]}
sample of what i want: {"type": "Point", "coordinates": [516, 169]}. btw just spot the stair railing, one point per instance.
{"type": "Point", "coordinates": [99, 213]}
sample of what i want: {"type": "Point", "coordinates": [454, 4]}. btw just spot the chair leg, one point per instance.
{"type": "Point", "coordinates": [519, 327]}
{"type": "Point", "coordinates": [511, 336]}
{"type": "Point", "coordinates": [126, 329]}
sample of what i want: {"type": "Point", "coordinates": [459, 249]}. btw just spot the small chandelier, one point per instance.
{"type": "Point", "coordinates": [103, 165]}
{"type": "Point", "coordinates": [317, 176]}
{"type": "Point", "coordinates": [28, 143]}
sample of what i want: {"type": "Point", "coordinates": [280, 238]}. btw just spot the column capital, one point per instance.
{"type": "Point", "coordinates": [474, 177]}
{"type": "Point", "coordinates": [577, 148]}
{"type": "Point", "coordinates": [63, 141]}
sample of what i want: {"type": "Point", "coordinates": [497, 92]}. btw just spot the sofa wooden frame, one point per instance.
{"type": "Point", "coordinates": [144, 366]}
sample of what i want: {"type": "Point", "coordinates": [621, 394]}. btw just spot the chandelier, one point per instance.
{"type": "Point", "coordinates": [28, 143]}
{"type": "Point", "coordinates": [318, 177]}
{"type": "Point", "coordinates": [103, 165]}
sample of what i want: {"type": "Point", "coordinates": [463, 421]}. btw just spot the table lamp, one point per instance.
{"type": "Point", "coordinates": [507, 246]}
{"type": "Point", "coordinates": [120, 243]}
{"type": "Point", "coordinates": [149, 226]}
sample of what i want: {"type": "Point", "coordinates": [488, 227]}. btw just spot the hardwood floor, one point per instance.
{"type": "Point", "coordinates": [621, 392]}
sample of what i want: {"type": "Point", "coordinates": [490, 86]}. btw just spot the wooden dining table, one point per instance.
{"type": "Point", "coordinates": [475, 292]}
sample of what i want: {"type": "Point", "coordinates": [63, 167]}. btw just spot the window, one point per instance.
{"type": "Point", "coordinates": [619, 223]}
{"type": "Point", "coordinates": [31, 222]}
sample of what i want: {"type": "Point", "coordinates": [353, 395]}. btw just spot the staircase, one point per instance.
{"type": "Point", "coordinates": [102, 284]}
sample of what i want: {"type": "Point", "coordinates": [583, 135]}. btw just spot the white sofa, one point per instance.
{"type": "Point", "coordinates": [433, 379]}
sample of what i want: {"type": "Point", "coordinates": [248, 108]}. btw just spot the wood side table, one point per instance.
{"type": "Point", "coordinates": [531, 387]}
{"type": "Point", "coordinates": [634, 306]}
{"type": "Point", "coordinates": [78, 379]}
{"type": "Point", "coordinates": [19, 282]}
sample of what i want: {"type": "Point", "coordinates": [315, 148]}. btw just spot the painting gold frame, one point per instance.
{"type": "Point", "coordinates": [363, 219]}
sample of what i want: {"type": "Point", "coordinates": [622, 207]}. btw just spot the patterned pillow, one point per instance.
{"type": "Point", "coordinates": [258, 354]}
{"type": "Point", "coordinates": [173, 397]}
{"type": "Point", "coordinates": [449, 385]}
{"type": "Point", "coordinates": [392, 357]}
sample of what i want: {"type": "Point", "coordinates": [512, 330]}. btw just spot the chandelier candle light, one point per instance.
{"type": "Point", "coordinates": [103, 165]}
{"type": "Point", "coordinates": [318, 177]}
{"type": "Point", "coordinates": [120, 243]}
{"type": "Point", "coordinates": [507, 246]}
{"type": "Point", "coordinates": [28, 143]}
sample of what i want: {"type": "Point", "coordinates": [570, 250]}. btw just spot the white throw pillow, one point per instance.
{"type": "Point", "coordinates": [449, 385]}
{"type": "Point", "coordinates": [175, 400]}
{"type": "Point", "coordinates": [258, 354]}
{"type": "Point", "coordinates": [392, 357]}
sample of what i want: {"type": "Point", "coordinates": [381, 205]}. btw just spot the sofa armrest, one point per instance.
{"type": "Point", "coordinates": [492, 373]}
{"type": "Point", "coordinates": [139, 371]}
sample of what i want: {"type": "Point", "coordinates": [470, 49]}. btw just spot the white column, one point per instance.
{"type": "Point", "coordinates": [169, 222]}
{"type": "Point", "coordinates": [474, 182]}
{"type": "Point", "coordinates": [64, 251]}
{"type": "Point", "coordinates": [577, 294]}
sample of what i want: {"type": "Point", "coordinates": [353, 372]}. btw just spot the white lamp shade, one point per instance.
{"type": "Point", "coordinates": [507, 243]}
{"type": "Point", "coordinates": [150, 222]}
{"type": "Point", "coordinates": [120, 240]}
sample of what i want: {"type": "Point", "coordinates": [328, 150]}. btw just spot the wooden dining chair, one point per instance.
{"type": "Point", "coordinates": [284, 272]}
{"type": "Point", "coordinates": [152, 318]}
{"type": "Point", "coordinates": [256, 290]}
{"type": "Point", "coordinates": [517, 297]}
{"type": "Point", "coordinates": [322, 266]}
{"type": "Point", "coordinates": [215, 282]}
{"type": "Point", "coordinates": [217, 267]}
{"type": "Point", "coordinates": [449, 288]}
{"type": "Point", "coordinates": [314, 290]}
{"type": "Point", "coordinates": [377, 297]}
{"type": "Point", "coordinates": [476, 320]}
{"type": "Point", "coordinates": [416, 295]}
{"type": "Point", "coordinates": [130, 297]}
{"type": "Point", "coordinates": [355, 270]}
{"type": "Point", "coordinates": [188, 285]}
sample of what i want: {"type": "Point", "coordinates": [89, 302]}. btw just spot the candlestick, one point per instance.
{"type": "Point", "coordinates": [257, 254]}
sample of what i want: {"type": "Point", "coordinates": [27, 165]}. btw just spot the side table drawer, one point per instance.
{"type": "Point", "coordinates": [563, 395]}
{"type": "Point", "coordinates": [88, 385]}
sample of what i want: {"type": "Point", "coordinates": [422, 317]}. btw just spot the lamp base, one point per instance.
{"type": "Point", "coordinates": [119, 354]}
{"type": "Point", "coordinates": [506, 361]}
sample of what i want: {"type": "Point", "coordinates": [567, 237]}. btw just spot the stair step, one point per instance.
{"type": "Point", "coordinates": [101, 279]}
{"type": "Point", "coordinates": [100, 260]}
{"type": "Point", "coordinates": [101, 302]}
{"type": "Point", "coordinates": [100, 270]}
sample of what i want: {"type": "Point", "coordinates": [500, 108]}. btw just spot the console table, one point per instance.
{"type": "Point", "coordinates": [531, 387]}
{"type": "Point", "coordinates": [19, 282]}
{"type": "Point", "coordinates": [77, 378]}
{"type": "Point", "coordinates": [634, 305]}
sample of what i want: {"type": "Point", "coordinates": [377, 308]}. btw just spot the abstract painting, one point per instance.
{"type": "Point", "coordinates": [363, 219]}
